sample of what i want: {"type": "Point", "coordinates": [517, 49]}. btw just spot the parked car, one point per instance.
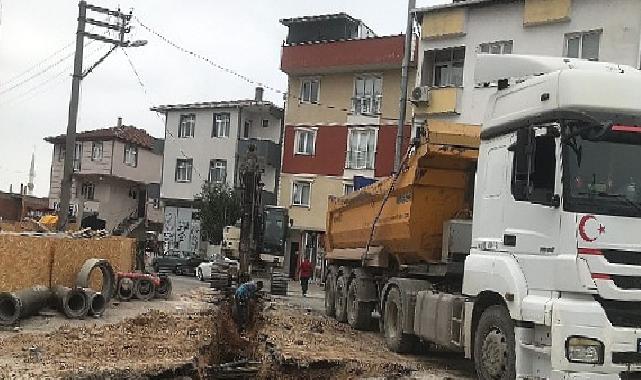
{"type": "Point", "coordinates": [204, 270]}
{"type": "Point", "coordinates": [177, 264]}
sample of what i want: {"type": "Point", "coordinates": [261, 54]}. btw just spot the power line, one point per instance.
{"type": "Point", "coordinates": [20, 97]}
{"type": "Point", "coordinates": [30, 69]}
{"type": "Point", "coordinates": [144, 89]}
{"type": "Point", "coordinates": [244, 77]}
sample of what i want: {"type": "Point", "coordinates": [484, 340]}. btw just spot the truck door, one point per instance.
{"type": "Point", "coordinates": [532, 214]}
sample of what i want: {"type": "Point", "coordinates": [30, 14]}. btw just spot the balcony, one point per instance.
{"type": "Point", "coordinates": [377, 53]}
{"type": "Point", "coordinates": [266, 149]}
{"type": "Point", "coordinates": [442, 101]}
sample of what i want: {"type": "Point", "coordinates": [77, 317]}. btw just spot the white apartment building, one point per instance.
{"type": "Point", "coordinates": [453, 34]}
{"type": "Point", "coordinates": [204, 144]}
{"type": "Point", "coordinates": [205, 141]}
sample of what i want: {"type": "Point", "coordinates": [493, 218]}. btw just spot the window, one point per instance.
{"type": "Point", "coordinates": [498, 47]}
{"type": "Point", "coordinates": [96, 151]}
{"type": "Point", "coordinates": [88, 191]}
{"type": "Point", "coordinates": [300, 194]}
{"type": "Point", "coordinates": [77, 157]}
{"type": "Point", "coordinates": [187, 126]}
{"type": "Point", "coordinates": [217, 171]}
{"type": "Point", "coordinates": [265, 123]}
{"type": "Point", "coordinates": [305, 140]}
{"type": "Point", "coordinates": [348, 188]}
{"type": "Point", "coordinates": [183, 169]}
{"type": "Point", "coordinates": [534, 164]}
{"type": "Point", "coordinates": [131, 155]}
{"type": "Point", "coordinates": [221, 125]}
{"type": "Point", "coordinates": [368, 94]}
{"type": "Point", "coordinates": [583, 45]}
{"type": "Point", "coordinates": [443, 67]}
{"type": "Point", "coordinates": [361, 149]}
{"type": "Point", "coordinates": [248, 125]}
{"type": "Point", "coordinates": [309, 91]}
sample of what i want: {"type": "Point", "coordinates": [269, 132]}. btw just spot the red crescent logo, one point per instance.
{"type": "Point", "coordinates": [584, 235]}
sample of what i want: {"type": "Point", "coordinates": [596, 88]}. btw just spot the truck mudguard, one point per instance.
{"type": "Point", "coordinates": [497, 272]}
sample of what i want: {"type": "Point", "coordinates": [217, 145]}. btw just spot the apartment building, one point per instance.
{"type": "Point", "coordinates": [113, 169]}
{"type": "Point", "coordinates": [453, 34]}
{"type": "Point", "coordinates": [340, 118]}
{"type": "Point", "coordinates": [204, 145]}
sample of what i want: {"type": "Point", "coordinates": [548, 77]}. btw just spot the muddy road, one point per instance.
{"type": "Point", "coordinates": [197, 338]}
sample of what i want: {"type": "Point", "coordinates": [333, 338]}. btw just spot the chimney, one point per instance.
{"type": "Point", "coordinates": [21, 189]}
{"type": "Point", "coordinates": [119, 124]}
{"type": "Point", "coordinates": [259, 94]}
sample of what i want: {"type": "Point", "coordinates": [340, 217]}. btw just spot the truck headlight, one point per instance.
{"type": "Point", "coordinates": [584, 350]}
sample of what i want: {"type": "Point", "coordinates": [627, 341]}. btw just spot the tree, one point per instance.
{"type": "Point", "coordinates": [219, 207]}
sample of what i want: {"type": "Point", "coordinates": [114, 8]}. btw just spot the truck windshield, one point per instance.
{"type": "Point", "coordinates": [603, 175]}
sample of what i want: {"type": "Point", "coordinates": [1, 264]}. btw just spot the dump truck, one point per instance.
{"type": "Point", "coordinates": [516, 243]}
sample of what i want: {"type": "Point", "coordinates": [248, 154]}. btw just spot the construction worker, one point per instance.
{"type": "Point", "coordinates": [242, 298]}
{"type": "Point", "coordinates": [304, 273]}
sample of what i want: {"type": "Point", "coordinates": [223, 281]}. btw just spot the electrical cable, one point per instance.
{"type": "Point", "coordinates": [144, 89]}
{"type": "Point", "coordinates": [241, 76]}
{"type": "Point", "coordinates": [12, 79]}
{"type": "Point", "coordinates": [21, 97]}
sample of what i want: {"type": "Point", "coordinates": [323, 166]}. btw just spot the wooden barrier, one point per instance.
{"type": "Point", "coordinates": [26, 261]}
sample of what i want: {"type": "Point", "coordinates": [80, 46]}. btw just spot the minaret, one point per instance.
{"type": "Point", "coordinates": [32, 174]}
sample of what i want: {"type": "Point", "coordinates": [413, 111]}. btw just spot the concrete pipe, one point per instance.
{"type": "Point", "coordinates": [108, 277]}
{"type": "Point", "coordinates": [22, 304]}
{"type": "Point", "coordinates": [97, 302]}
{"type": "Point", "coordinates": [73, 303]}
{"type": "Point", "coordinates": [125, 291]}
{"type": "Point", "coordinates": [144, 289]}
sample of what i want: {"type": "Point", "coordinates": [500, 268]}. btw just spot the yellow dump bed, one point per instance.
{"type": "Point", "coordinates": [436, 186]}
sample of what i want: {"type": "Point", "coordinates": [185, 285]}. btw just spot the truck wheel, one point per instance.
{"type": "Point", "coordinates": [395, 339]}
{"type": "Point", "coordinates": [330, 296]}
{"type": "Point", "coordinates": [340, 293]}
{"type": "Point", "coordinates": [359, 314]}
{"type": "Point", "coordinates": [494, 345]}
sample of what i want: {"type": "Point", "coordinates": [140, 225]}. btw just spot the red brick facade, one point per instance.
{"type": "Point", "coordinates": [330, 151]}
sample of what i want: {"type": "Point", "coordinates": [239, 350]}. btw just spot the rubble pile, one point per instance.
{"type": "Point", "coordinates": [298, 339]}
{"type": "Point", "coordinates": [152, 343]}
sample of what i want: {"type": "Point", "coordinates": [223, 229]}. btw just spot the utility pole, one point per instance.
{"type": "Point", "coordinates": [78, 75]}
{"type": "Point", "coordinates": [70, 141]}
{"type": "Point", "coordinates": [411, 4]}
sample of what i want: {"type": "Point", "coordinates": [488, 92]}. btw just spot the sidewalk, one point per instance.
{"type": "Point", "coordinates": [315, 299]}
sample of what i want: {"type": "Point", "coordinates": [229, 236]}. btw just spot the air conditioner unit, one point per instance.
{"type": "Point", "coordinates": [421, 95]}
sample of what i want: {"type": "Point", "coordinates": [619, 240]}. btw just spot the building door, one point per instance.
{"type": "Point", "coordinates": [294, 255]}
{"type": "Point", "coordinates": [142, 202]}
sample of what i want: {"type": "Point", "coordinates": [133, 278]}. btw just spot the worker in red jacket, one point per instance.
{"type": "Point", "coordinates": [304, 273]}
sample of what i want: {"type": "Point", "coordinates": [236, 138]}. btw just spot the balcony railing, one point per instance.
{"type": "Point", "coordinates": [367, 105]}
{"type": "Point", "coordinates": [360, 160]}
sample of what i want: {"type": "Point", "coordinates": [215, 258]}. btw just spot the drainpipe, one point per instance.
{"type": "Point", "coordinates": [404, 84]}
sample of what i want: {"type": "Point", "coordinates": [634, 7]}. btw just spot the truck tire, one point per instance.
{"type": "Point", "coordinates": [330, 295]}
{"type": "Point", "coordinates": [395, 339]}
{"type": "Point", "coordinates": [340, 294]}
{"type": "Point", "coordinates": [359, 314]}
{"type": "Point", "coordinates": [494, 345]}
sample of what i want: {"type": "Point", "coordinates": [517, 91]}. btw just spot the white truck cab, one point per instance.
{"type": "Point", "coordinates": [556, 236]}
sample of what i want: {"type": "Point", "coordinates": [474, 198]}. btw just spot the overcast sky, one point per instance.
{"type": "Point", "coordinates": [243, 35]}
